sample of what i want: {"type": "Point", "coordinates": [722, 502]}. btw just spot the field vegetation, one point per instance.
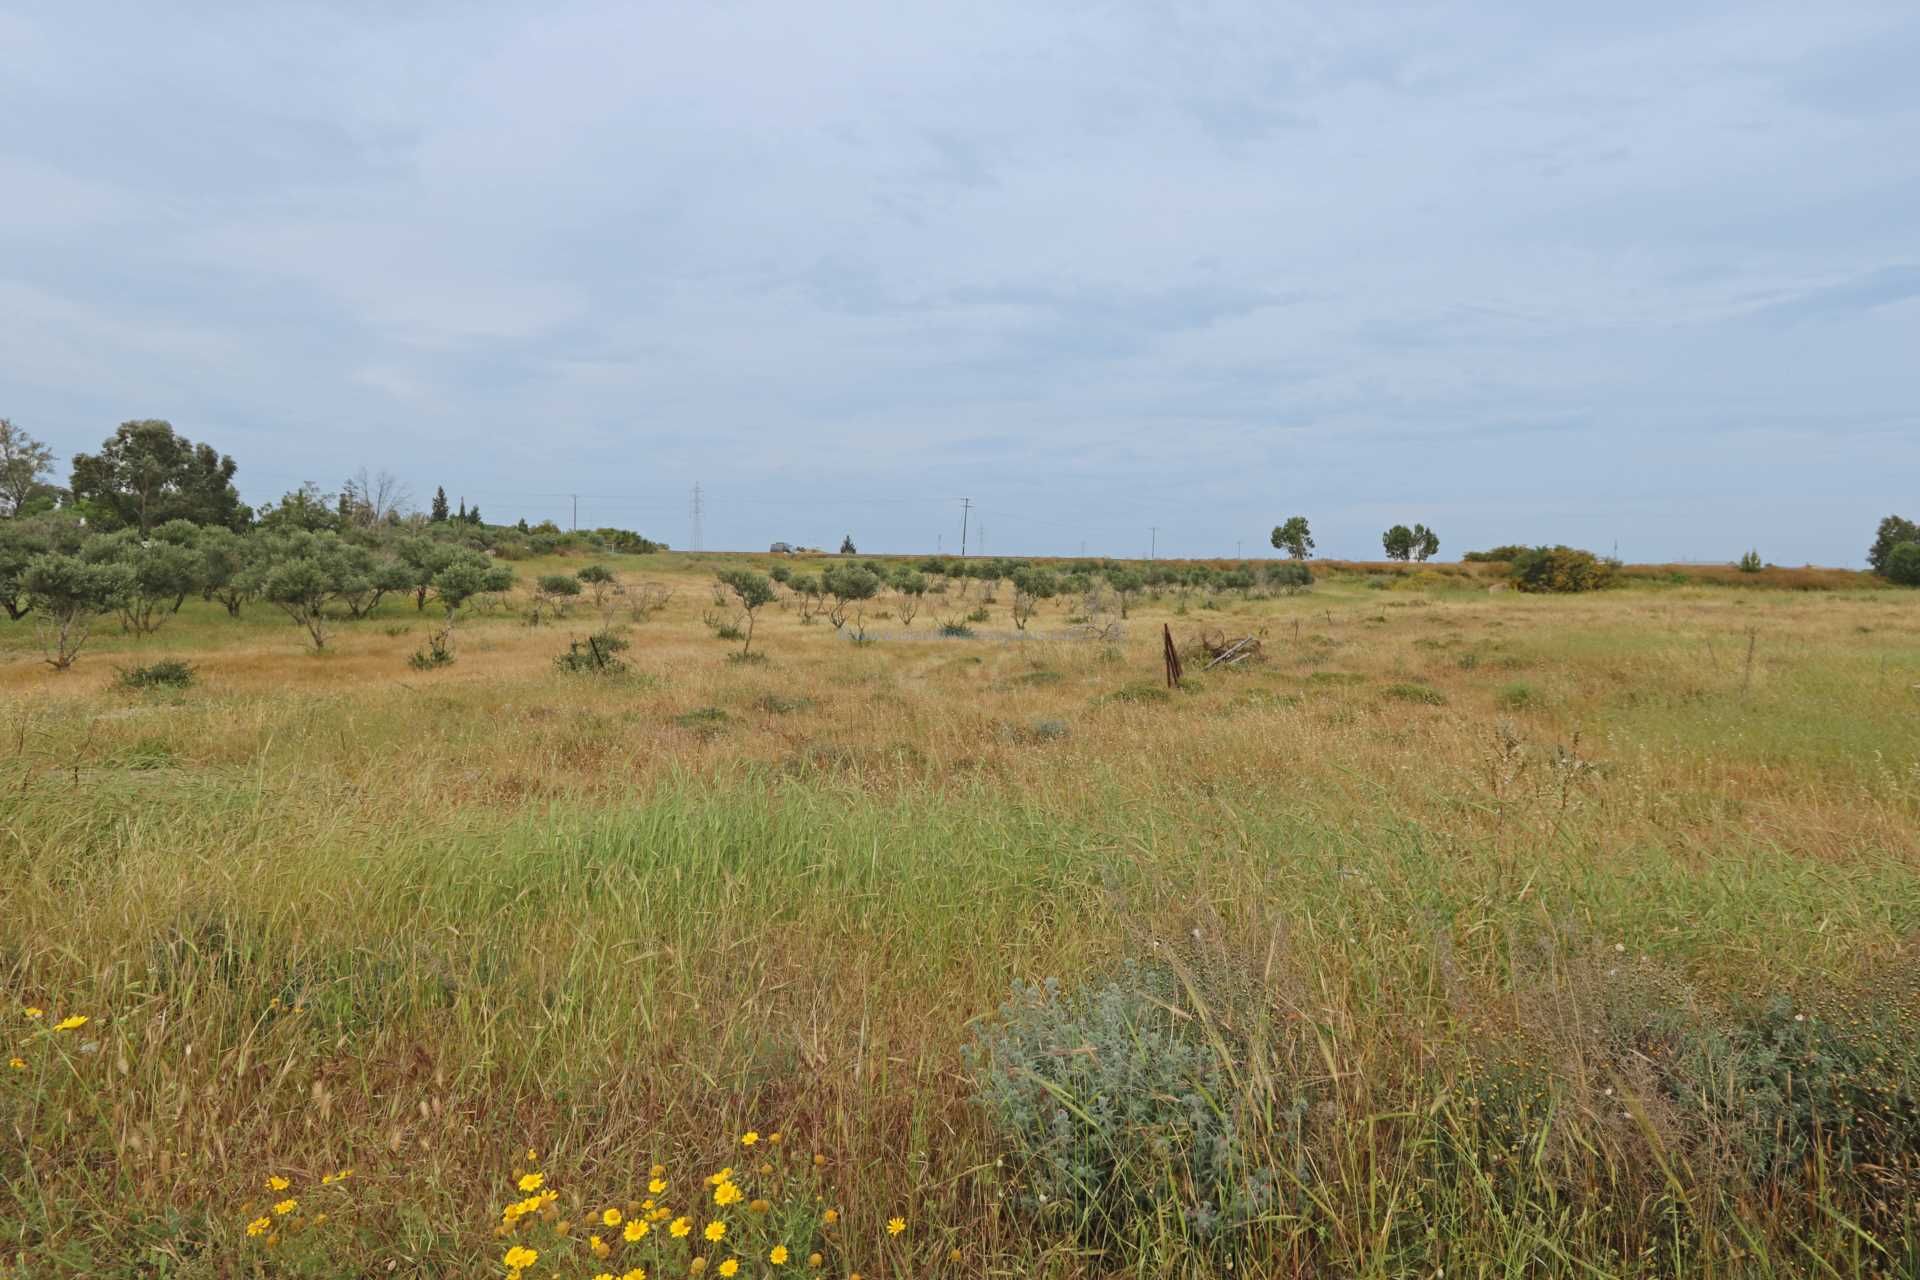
{"type": "Point", "coordinates": [1463, 930]}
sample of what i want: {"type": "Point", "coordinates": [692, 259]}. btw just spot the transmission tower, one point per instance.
{"type": "Point", "coordinates": [696, 508]}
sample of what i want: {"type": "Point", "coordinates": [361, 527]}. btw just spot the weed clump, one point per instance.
{"type": "Point", "coordinates": [597, 655]}
{"type": "Point", "coordinates": [1424, 695]}
{"type": "Point", "coordinates": [168, 673]}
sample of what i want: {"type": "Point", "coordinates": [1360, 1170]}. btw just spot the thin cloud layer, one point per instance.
{"type": "Point", "coordinates": [1648, 276]}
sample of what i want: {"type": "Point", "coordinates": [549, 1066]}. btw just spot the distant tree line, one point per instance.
{"type": "Point", "coordinates": [151, 519]}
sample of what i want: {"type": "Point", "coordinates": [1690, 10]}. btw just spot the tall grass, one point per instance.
{"type": "Point", "coordinates": [413, 925]}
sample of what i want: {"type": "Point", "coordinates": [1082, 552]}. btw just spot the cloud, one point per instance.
{"type": "Point", "coordinates": [1649, 266]}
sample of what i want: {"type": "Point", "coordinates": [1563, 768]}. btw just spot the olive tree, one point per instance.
{"type": "Point", "coordinates": [551, 592]}
{"type": "Point", "coordinates": [1127, 584]}
{"type": "Point", "coordinates": [160, 573]}
{"type": "Point", "coordinates": [911, 586]}
{"type": "Point", "coordinates": [752, 590]}
{"type": "Point", "coordinates": [1294, 538]}
{"type": "Point", "coordinates": [1030, 587]}
{"type": "Point", "coordinates": [68, 593]}
{"type": "Point", "coordinates": [850, 586]}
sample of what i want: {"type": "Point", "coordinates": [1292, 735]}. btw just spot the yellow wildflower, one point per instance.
{"type": "Point", "coordinates": [34, 1011]}
{"type": "Point", "coordinates": [695, 1267]}
{"type": "Point", "coordinates": [638, 1273]}
{"type": "Point", "coordinates": [277, 1183]}
{"type": "Point", "coordinates": [727, 1193]}
{"type": "Point", "coordinates": [779, 1255]}
{"type": "Point", "coordinates": [815, 1261]}
{"type": "Point", "coordinates": [258, 1227]}
{"type": "Point", "coordinates": [656, 1186]}
{"type": "Point", "coordinates": [773, 1139]}
{"type": "Point", "coordinates": [730, 1266]}
{"type": "Point", "coordinates": [532, 1158]}
{"type": "Point", "coordinates": [658, 1171]}
{"type": "Point", "coordinates": [286, 1207]}
{"type": "Point", "coordinates": [600, 1247]}
{"type": "Point", "coordinates": [748, 1138]}
{"type": "Point", "coordinates": [611, 1217]}
{"type": "Point", "coordinates": [759, 1206]}
{"type": "Point", "coordinates": [532, 1181]}
{"type": "Point", "coordinates": [328, 1179]}
{"type": "Point", "coordinates": [680, 1228]}
{"type": "Point", "coordinates": [953, 1255]}
{"type": "Point", "coordinates": [604, 1275]}
{"type": "Point", "coordinates": [74, 1023]}
{"type": "Point", "coordinates": [716, 1230]}
{"type": "Point", "coordinates": [725, 1175]}
{"type": "Point", "coordinates": [18, 1064]}
{"type": "Point", "coordinates": [819, 1160]}
{"type": "Point", "coordinates": [636, 1230]}
{"type": "Point", "coordinates": [830, 1217]}
{"type": "Point", "coordinates": [896, 1225]}
{"type": "Point", "coordinates": [660, 1215]}
{"type": "Point", "coordinates": [519, 1258]}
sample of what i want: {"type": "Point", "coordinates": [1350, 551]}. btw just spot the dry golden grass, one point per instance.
{"type": "Point", "coordinates": [516, 908]}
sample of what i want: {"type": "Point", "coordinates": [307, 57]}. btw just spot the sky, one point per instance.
{"type": "Point", "coordinates": [1640, 277]}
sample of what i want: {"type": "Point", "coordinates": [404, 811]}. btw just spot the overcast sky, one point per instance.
{"type": "Point", "coordinates": [1645, 273]}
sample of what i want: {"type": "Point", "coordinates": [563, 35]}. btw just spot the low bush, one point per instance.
{"type": "Point", "coordinates": [1562, 569]}
{"type": "Point", "coordinates": [596, 655]}
{"type": "Point", "coordinates": [1425, 695]}
{"type": "Point", "coordinates": [1117, 1113]}
{"type": "Point", "coordinates": [168, 673]}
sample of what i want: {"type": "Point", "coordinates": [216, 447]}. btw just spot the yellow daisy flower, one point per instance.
{"type": "Point", "coordinates": [779, 1255]}
{"type": "Point", "coordinates": [277, 1183]}
{"type": "Point", "coordinates": [74, 1023]}
{"type": "Point", "coordinates": [611, 1217]}
{"type": "Point", "coordinates": [532, 1181]}
{"type": "Point", "coordinates": [636, 1230]}
{"type": "Point", "coordinates": [519, 1258]}
{"type": "Point", "coordinates": [656, 1186]}
{"type": "Point", "coordinates": [716, 1231]}
{"type": "Point", "coordinates": [896, 1225]}
{"type": "Point", "coordinates": [748, 1138]}
{"type": "Point", "coordinates": [259, 1226]}
{"type": "Point", "coordinates": [286, 1207]}
{"type": "Point", "coordinates": [680, 1228]}
{"type": "Point", "coordinates": [730, 1266]}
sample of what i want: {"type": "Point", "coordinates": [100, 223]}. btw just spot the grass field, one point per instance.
{"type": "Point", "coordinates": [1519, 935]}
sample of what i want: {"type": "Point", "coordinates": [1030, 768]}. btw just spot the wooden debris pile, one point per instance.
{"type": "Point", "coordinates": [1223, 650]}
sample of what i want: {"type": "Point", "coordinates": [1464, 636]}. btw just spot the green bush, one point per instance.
{"type": "Point", "coordinates": [168, 673]}
{"type": "Point", "coordinates": [596, 655]}
{"type": "Point", "coordinates": [1420, 693]}
{"type": "Point", "coordinates": [1517, 696]}
{"type": "Point", "coordinates": [1751, 562]}
{"type": "Point", "coordinates": [1561, 569]}
{"type": "Point", "coordinates": [1118, 1115]}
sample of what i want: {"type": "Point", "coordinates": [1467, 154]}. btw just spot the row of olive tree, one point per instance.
{"type": "Point", "coordinates": [53, 567]}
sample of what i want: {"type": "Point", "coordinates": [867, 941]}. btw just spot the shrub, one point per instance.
{"type": "Point", "coordinates": [1420, 693]}
{"type": "Point", "coordinates": [1118, 1114]}
{"type": "Point", "coordinates": [168, 673]}
{"type": "Point", "coordinates": [593, 656]}
{"type": "Point", "coordinates": [1562, 569]}
{"type": "Point", "coordinates": [438, 653]}
{"type": "Point", "coordinates": [1751, 562]}
{"type": "Point", "coordinates": [956, 630]}
{"type": "Point", "coordinates": [1289, 576]}
{"type": "Point", "coordinates": [705, 721]}
{"type": "Point", "coordinates": [1517, 696]}
{"type": "Point", "coordinates": [1496, 555]}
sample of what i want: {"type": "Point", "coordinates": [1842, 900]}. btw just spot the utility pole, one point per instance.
{"type": "Point", "coordinates": [966, 509]}
{"type": "Point", "coordinates": [939, 543]}
{"type": "Point", "coordinates": [1083, 548]}
{"type": "Point", "coordinates": [697, 508]}
{"type": "Point", "coordinates": [983, 539]}
{"type": "Point", "coordinates": [1237, 542]}
{"type": "Point", "coordinates": [576, 511]}
{"type": "Point", "coordinates": [1153, 547]}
